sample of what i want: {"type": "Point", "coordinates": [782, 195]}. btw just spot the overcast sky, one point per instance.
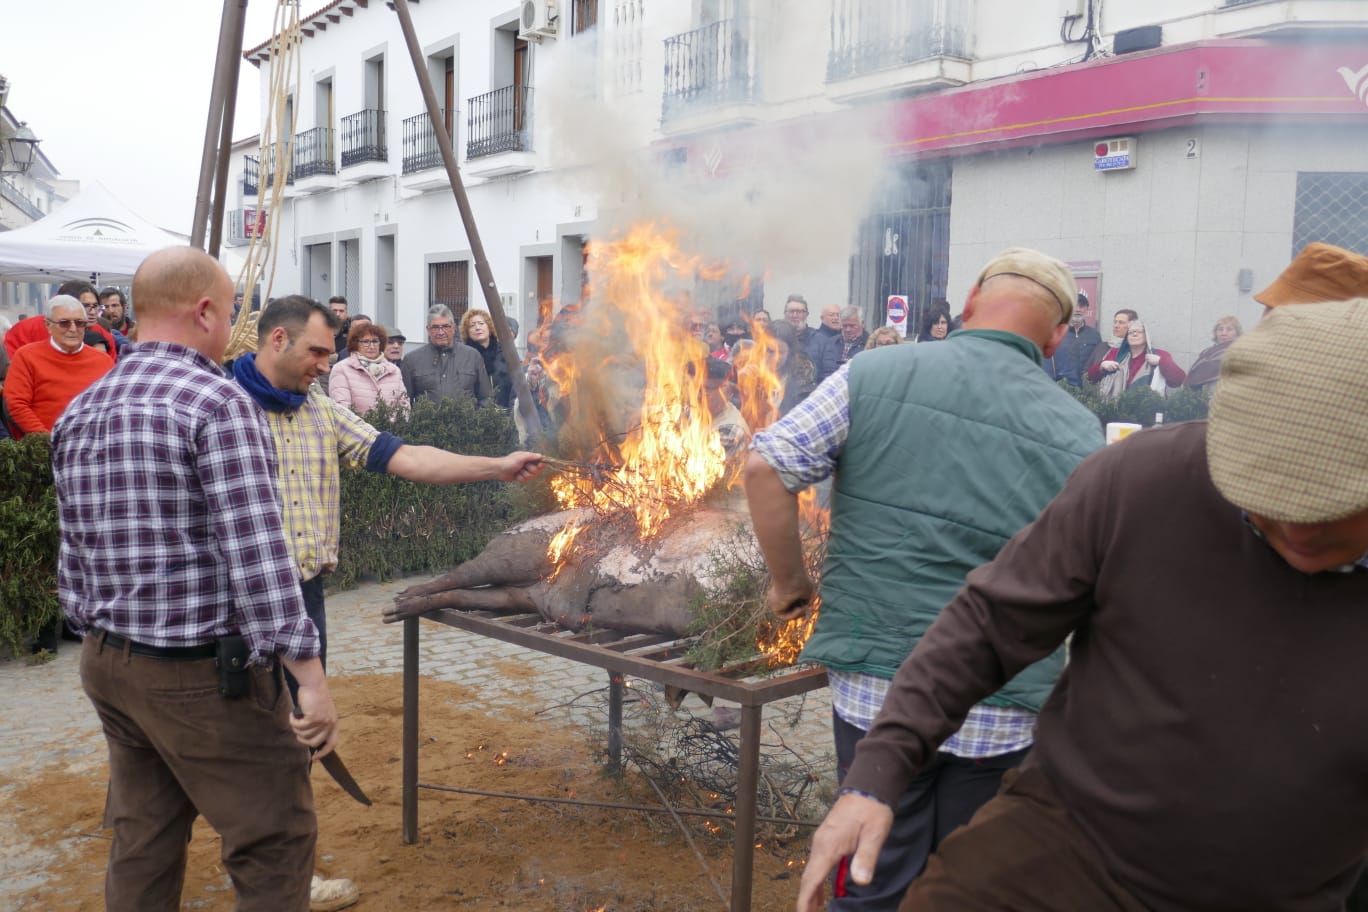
{"type": "Point", "coordinates": [119, 91]}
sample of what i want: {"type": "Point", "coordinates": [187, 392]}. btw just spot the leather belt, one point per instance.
{"type": "Point", "coordinates": [114, 641]}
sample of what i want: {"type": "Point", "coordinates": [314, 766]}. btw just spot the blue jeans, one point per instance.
{"type": "Point", "coordinates": [943, 796]}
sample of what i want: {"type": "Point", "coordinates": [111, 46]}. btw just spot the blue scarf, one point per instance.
{"type": "Point", "coordinates": [271, 398]}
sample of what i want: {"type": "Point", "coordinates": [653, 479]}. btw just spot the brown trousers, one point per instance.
{"type": "Point", "coordinates": [178, 749]}
{"type": "Point", "coordinates": [1021, 851]}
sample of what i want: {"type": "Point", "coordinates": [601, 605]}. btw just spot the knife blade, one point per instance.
{"type": "Point", "coordinates": [338, 770]}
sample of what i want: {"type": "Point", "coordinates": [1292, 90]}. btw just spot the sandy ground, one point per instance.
{"type": "Point", "coordinates": [474, 853]}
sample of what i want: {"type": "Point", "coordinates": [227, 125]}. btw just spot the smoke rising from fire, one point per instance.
{"type": "Point", "coordinates": [778, 198]}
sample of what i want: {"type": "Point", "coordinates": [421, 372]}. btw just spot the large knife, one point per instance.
{"type": "Point", "coordinates": [338, 770]}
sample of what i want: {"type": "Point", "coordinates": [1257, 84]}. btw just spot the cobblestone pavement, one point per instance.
{"type": "Point", "coordinates": [47, 721]}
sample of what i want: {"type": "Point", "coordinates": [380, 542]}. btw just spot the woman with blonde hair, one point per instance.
{"type": "Point", "coordinates": [1206, 370]}
{"type": "Point", "coordinates": [477, 331]}
{"type": "Point", "coordinates": [884, 335]}
{"type": "Point", "coordinates": [366, 376]}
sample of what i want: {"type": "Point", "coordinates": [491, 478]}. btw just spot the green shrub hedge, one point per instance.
{"type": "Point", "coordinates": [389, 526]}
{"type": "Point", "coordinates": [392, 527]}
{"type": "Point", "coordinates": [28, 540]}
{"type": "Point", "coordinates": [1139, 405]}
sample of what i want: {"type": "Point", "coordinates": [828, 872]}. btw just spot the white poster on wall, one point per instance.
{"type": "Point", "coordinates": [897, 314]}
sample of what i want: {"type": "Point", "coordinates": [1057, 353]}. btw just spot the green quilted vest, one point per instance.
{"type": "Point", "coordinates": [953, 448]}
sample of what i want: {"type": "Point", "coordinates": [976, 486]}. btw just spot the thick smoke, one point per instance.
{"type": "Point", "coordinates": [780, 196]}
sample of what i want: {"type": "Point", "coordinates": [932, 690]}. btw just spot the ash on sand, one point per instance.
{"type": "Point", "coordinates": [474, 853]}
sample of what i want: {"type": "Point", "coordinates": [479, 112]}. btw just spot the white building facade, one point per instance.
{"type": "Point", "coordinates": [24, 199]}
{"type": "Point", "coordinates": [1176, 153]}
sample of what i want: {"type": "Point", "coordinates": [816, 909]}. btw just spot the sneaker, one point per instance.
{"type": "Point", "coordinates": [330, 895]}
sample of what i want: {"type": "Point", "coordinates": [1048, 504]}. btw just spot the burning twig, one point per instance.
{"type": "Point", "coordinates": [597, 472]}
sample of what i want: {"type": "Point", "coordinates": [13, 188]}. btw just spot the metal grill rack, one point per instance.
{"type": "Point", "coordinates": [652, 657]}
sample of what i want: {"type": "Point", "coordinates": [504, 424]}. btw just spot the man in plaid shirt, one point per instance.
{"type": "Point", "coordinates": [171, 538]}
{"type": "Point", "coordinates": [313, 436]}
{"type": "Point", "coordinates": [940, 453]}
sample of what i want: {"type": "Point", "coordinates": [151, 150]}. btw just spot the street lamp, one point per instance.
{"type": "Point", "coordinates": [20, 149]}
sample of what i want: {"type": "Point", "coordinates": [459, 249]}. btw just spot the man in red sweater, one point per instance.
{"type": "Point", "coordinates": [45, 376]}
{"type": "Point", "coordinates": [34, 329]}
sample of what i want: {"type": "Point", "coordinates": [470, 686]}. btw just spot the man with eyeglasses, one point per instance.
{"type": "Point", "coordinates": [443, 369]}
{"type": "Point", "coordinates": [796, 313]}
{"type": "Point", "coordinates": [48, 374]}
{"type": "Point", "coordinates": [34, 329]}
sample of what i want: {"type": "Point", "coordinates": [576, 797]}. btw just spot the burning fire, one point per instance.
{"type": "Point", "coordinates": [786, 640]}
{"type": "Point", "coordinates": [632, 377]}
{"type": "Point", "coordinates": [635, 385]}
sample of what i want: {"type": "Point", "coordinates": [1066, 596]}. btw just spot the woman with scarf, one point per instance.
{"type": "Point", "coordinates": [1206, 370]}
{"type": "Point", "coordinates": [366, 376]}
{"type": "Point", "coordinates": [477, 331]}
{"type": "Point", "coordinates": [1136, 362]}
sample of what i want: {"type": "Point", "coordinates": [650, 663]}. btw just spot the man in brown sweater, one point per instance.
{"type": "Point", "coordinates": [1206, 747]}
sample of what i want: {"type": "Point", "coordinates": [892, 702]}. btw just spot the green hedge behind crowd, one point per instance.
{"type": "Point", "coordinates": [28, 540]}
{"type": "Point", "coordinates": [1140, 405]}
{"type": "Point", "coordinates": [389, 526]}
{"type": "Point", "coordinates": [393, 527]}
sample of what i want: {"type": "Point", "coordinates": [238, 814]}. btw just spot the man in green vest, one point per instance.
{"type": "Point", "coordinates": [940, 454]}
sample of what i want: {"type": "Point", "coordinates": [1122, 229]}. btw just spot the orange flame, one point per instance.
{"type": "Point", "coordinates": [630, 378]}
{"type": "Point", "coordinates": [560, 544]}
{"type": "Point", "coordinates": [634, 400]}
{"type": "Point", "coordinates": [758, 380]}
{"type": "Point", "coordinates": [786, 640]}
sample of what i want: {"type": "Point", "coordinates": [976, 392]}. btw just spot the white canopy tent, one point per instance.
{"type": "Point", "coordinates": [92, 237]}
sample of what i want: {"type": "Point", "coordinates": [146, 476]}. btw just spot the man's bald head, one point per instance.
{"type": "Point", "coordinates": [173, 279]}
{"type": "Point", "coordinates": [184, 297]}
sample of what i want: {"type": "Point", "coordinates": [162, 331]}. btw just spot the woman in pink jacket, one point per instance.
{"type": "Point", "coordinates": [366, 376]}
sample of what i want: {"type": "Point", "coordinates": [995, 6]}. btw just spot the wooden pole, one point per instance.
{"type": "Point", "coordinates": [221, 96]}
{"type": "Point", "coordinates": [226, 136]}
{"type": "Point", "coordinates": [526, 407]}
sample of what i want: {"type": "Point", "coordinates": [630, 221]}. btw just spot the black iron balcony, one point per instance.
{"type": "Point", "coordinates": [500, 121]}
{"type": "Point", "coordinates": [872, 35]}
{"type": "Point", "coordinates": [363, 137]}
{"type": "Point", "coordinates": [713, 65]}
{"type": "Point", "coordinates": [420, 144]}
{"type": "Point", "coordinates": [277, 156]}
{"type": "Point", "coordinates": [313, 153]}
{"type": "Point", "coordinates": [249, 175]}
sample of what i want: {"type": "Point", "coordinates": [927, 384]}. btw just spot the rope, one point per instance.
{"type": "Point", "coordinates": [284, 62]}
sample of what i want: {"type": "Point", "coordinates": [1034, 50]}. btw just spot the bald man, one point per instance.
{"type": "Point", "coordinates": [902, 543]}
{"type": "Point", "coordinates": [173, 562]}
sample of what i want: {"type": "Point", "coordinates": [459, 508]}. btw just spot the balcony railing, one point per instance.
{"type": "Point", "coordinates": [363, 137]}
{"type": "Point", "coordinates": [420, 143]}
{"type": "Point", "coordinates": [872, 35]}
{"type": "Point", "coordinates": [313, 153]}
{"type": "Point", "coordinates": [500, 121]}
{"type": "Point", "coordinates": [249, 175]}
{"type": "Point", "coordinates": [709, 66]}
{"type": "Point", "coordinates": [277, 155]}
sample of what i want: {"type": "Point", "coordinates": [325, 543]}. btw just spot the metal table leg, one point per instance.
{"type": "Point", "coordinates": [615, 721]}
{"type": "Point", "coordinates": [747, 781]}
{"type": "Point", "coordinates": [410, 739]}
